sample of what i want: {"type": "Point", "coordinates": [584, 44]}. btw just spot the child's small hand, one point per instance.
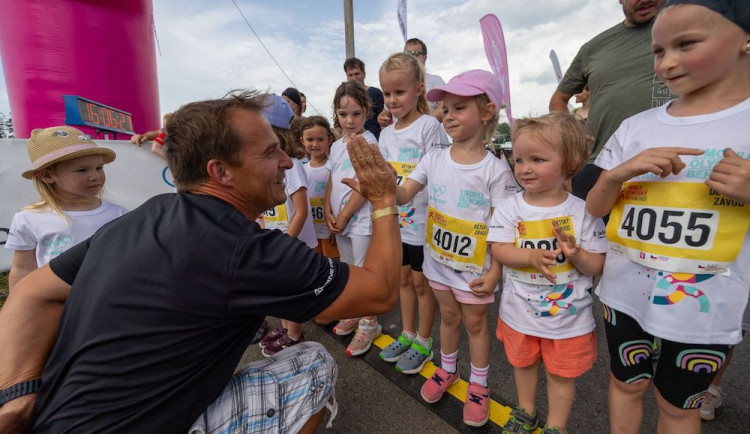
{"type": "Point", "coordinates": [484, 285]}
{"type": "Point", "coordinates": [566, 242]}
{"type": "Point", "coordinates": [541, 259]}
{"type": "Point", "coordinates": [341, 222]}
{"type": "Point", "coordinates": [331, 223]}
{"type": "Point", "coordinates": [659, 161]}
{"type": "Point", "coordinates": [731, 176]}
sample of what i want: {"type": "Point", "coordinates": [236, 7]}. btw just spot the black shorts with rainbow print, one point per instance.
{"type": "Point", "coordinates": [684, 371]}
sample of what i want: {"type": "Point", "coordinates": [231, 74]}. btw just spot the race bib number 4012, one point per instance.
{"type": "Point", "coordinates": [678, 227]}
{"type": "Point", "coordinates": [459, 244]}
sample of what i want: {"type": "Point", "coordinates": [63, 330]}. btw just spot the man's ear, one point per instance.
{"type": "Point", "coordinates": [220, 171]}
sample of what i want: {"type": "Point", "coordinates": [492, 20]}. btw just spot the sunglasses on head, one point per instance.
{"type": "Point", "coordinates": [414, 53]}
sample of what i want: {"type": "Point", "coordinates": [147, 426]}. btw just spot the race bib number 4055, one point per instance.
{"type": "Point", "coordinates": [678, 227]}
{"type": "Point", "coordinates": [459, 244]}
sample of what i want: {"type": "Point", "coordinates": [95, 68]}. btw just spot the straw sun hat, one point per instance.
{"type": "Point", "coordinates": [48, 146]}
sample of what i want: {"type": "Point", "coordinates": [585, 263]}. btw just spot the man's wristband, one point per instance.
{"type": "Point", "coordinates": [19, 389]}
{"type": "Point", "coordinates": [384, 212]}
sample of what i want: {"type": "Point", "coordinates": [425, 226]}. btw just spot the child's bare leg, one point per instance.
{"type": "Point", "coordinates": [674, 420]}
{"type": "Point", "coordinates": [294, 329]}
{"type": "Point", "coordinates": [475, 322]}
{"type": "Point", "coordinates": [408, 300]}
{"type": "Point", "coordinates": [626, 405]}
{"type": "Point", "coordinates": [527, 380]}
{"type": "Point", "coordinates": [450, 321]}
{"type": "Point", "coordinates": [561, 392]}
{"type": "Point", "coordinates": [426, 302]}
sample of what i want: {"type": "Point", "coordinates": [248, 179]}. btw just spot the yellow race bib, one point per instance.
{"type": "Point", "coordinates": [316, 209]}
{"type": "Point", "coordinates": [402, 170]}
{"type": "Point", "coordinates": [459, 244]}
{"type": "Point", "coordinates": [276, 215]}
{"type": "Point", "coordinates": [539, 234]}
{"type": "Point", "coordinates": [680, 227]}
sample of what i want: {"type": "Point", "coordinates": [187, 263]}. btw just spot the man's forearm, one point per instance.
{"type": "Point", "coordinates": [28, 326]}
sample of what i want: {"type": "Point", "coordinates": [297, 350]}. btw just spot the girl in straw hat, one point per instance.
{"type": "Point", "coordinates": [67, 171]}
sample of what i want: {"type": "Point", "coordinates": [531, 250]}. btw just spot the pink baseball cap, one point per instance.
{"type": "Point", "coordinates": [470, 83]}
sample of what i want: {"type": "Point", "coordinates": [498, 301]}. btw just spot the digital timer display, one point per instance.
{"type": "Point", "coordinates": [82, 111]}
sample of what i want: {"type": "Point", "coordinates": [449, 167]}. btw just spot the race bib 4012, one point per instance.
{"type": "Point", "coordinates": [459, 244]}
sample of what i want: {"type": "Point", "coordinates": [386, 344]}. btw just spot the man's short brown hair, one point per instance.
{"type": "Point", "coordinates": [353, 62]}
{"type": "Point", "coordinates": [201, 131]}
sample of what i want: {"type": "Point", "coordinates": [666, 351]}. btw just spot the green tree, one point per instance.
{"type": "Point", "coordinates": [502, 132]}
{"type": "Point", "coordinates": [6, 127]}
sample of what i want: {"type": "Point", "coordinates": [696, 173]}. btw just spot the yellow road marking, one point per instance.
{"type": "Point", "coordinates": [499, 414]}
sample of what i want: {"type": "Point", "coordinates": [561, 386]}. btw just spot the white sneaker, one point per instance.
{"type": "Point", "coordinates": [711, 403]}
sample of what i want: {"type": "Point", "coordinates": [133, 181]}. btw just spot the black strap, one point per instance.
{"type": "Point", "coordinates": [19, 389]}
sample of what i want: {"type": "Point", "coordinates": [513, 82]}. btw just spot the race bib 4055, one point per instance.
{"type": "Point", "coordinates": [678, 227]}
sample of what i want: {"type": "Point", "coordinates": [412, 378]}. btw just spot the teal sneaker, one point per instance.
{"type": "Point", "coordinates": [415, 358]}
{"type": "Point", "coordinates": [520, 422]}
{"type": "Point", "coordinates": [396, 349]}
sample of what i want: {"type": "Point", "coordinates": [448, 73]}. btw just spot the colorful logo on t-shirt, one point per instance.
{"type": "Point", "coordinates": [553, 303]}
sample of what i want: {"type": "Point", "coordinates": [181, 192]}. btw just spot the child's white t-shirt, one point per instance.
{"type": "Point", "coordinates": [317, 180]}
{"type": "Point", "coordinates": [403, 149]}
{"type": "Point", "coordinates": [50, 234]}
{"type": "Point", "coordinates": [674, 234]}
{"type": "Point", "coordinates": [280, 216]}
{"type": "Point", "coordinates": [530, 303]}
{"type": "Point", "coordinates": [341, 167]}
{"type": "Point", "coordinates": [459, 200]}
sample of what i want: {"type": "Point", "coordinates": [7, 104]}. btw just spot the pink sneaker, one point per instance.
{"type": "Point", "coordinates": [367, 331]}
{"type": "Point", "coordinates": [345, 326]}
{"type": "Point", "coordinates": [434, 388]}
{"type": "Point", "coordinates": [477, 405]}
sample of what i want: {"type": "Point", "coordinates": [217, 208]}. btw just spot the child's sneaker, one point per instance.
{"type": "Point", "coordinates": [477, 405]}
{"type": "Point", "coordinates": [434, 388]}
{"type": "Point", "coordinates": [281, 343]}
{"type": "Point", "coordinates": [260, 333]}
{"type": "Point", "coordinates": [397, 348]}
{"type": "Point", "coordinates": [415, 358]}
{"type": "Point", "coordinates": [711, 402]}
{"type": "Point", "coordinates": [273, 336]}
{"type": "Point", "coordinates": [553, 430]}
{"type": "Point", "coordinates": [520, 422]}
{"type": "Point", "coordinates": [345, 326]}
{"type": "Point", "coordinates": [367, 331]}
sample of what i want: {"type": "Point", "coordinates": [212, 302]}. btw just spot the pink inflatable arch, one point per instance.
{"type": "Point", "coordinates": [101, 50]}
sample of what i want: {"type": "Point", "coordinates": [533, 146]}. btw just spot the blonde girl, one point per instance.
{"type": "Point", "coordinates": [347, 213]}
{"type": "Point", "coordinates": [291, 217]}
{"type": "Point", "coordinates": [316, 136]}
{"type": "Point", "coordinates": [68, 173]}
{"type": "Point", "coordinates": [550, 248]}
{"type": "Point", "coordinates": [464, 183]}
{"type": "Point", "coordinates": [679, 244]}
{"type": "Point", "coordinates": [403, 145]}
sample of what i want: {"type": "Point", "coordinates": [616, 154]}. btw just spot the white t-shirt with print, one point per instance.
{"type": "Point", "coordinates": [50, 234]}
{"type": "Point", "coordinates": [403, 149]}
{"type": "Point", "coordinates": [461, 196]}
{"type": "Point", "coordinates": [280, 216]}
{"type": "Point", "coordinates": [682, 225]}
{"type": "Point", "coordinates": [340, 167]}
{"type": "Point", "coordinates": [542, 309]}
{"type": "Point", "coordinates": [317, 180]}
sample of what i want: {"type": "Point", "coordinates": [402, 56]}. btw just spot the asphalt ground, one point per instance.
{"type": "Point", "coordinates": [374, 398]}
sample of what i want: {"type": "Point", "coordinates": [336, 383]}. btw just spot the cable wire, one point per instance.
{"type": "Point", "coordinates": [271, 55]}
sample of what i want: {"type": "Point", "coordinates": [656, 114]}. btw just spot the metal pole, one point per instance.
{"type": "Point", "coordinates": [349, 28]}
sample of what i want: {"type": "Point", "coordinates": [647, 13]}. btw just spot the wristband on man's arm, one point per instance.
{"type": "Point", "coordinates": [19, 389]}
{"type": "Point", "coordinates": [382, 212]}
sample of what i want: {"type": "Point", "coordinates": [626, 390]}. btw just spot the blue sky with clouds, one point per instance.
{"type": "Point", "coordinates": [207, 49]}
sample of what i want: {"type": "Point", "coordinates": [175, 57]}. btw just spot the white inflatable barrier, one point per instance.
{"type": "Point", "coordinates": [135, 176]}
